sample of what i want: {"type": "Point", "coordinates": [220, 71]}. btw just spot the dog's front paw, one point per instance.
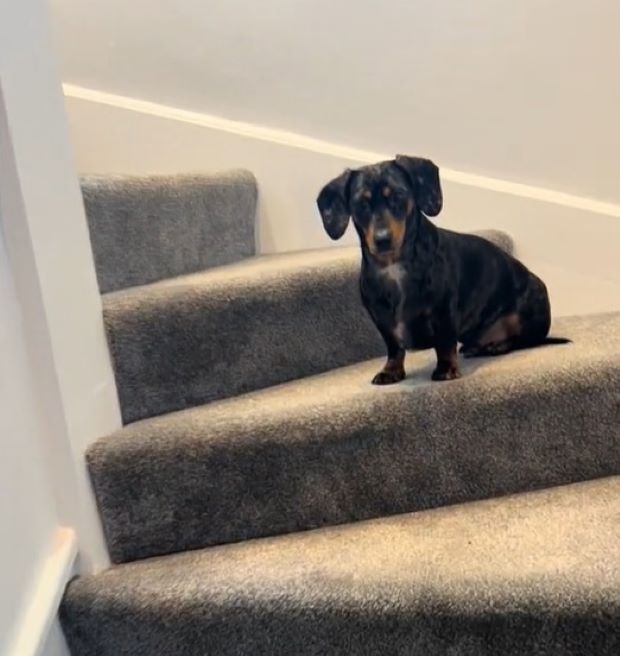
{"type": "Point", "coordinates": [389, 377]}
{"type": "Point", "coordinates": [443, 372]}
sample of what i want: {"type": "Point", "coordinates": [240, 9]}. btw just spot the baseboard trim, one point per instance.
{"type": "Point", "coordinates": [319, 146]}
{"type": "Point", "coordinates": [31, 635]}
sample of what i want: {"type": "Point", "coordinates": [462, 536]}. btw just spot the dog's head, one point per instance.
{"type": "Point", "coordinates": [383, 200]}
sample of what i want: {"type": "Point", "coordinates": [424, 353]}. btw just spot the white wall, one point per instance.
{"type": "Point", "coordinates": [27, 508]}
{"type": "Point", "coordinates": [57, 391]}
{"type": "Point", "coordinates": [521, 92]}
{"type": "Point", "coordinates": [571, 241]}
{"type": "Point", "coordinates": [525, 90]}
{"type": "Point", "coordinates": [49, 252]}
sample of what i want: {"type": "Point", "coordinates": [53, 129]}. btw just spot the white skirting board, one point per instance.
{"type": "Point", "coordinates": [39, 633]}
{"type": "Point", "coordinates": [571, 241]}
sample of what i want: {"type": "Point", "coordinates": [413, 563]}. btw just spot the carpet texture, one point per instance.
{"type": "Point", "coordinates": [334, 448]}
{"type": "Point", "coordinates": [145, 229]}
{"type": "Point", "coordinates": [534, 574]}
{"type": "Point", "coordinates": [211, 335]}
{"type": "Point", "coordinates": [244, 385]}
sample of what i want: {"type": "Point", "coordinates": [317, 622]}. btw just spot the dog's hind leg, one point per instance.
{"type": "Point", "coordinates": [445, 347]}
{"type": "Point", "coordinates": [499, 348]}
{"type": "Point", "coordinates": [499, 338]}
{"type": "Point", "coordinates": [470, 349]}
{"type": "Point", "coordinates": [535, 314]}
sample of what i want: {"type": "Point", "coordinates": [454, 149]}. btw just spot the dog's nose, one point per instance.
{"type": "Point", "coordinates": [383, 240]}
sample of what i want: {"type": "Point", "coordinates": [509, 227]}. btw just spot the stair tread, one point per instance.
{"type": "Point", "coordinates": [510, 575]}
{"type": "Point", "coordinates": [255, 270]}
{"type": "Point", "coordinates": [333, 448]}
{"type": "Point", "coordinates": [147, 228]}
{"type": "Point", "coordinates": [197, 338]}
{"type": "Point", "coordinates": [186, 341]}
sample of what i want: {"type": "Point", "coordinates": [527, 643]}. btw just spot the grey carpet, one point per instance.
{"type": "Point", "coordinates": [145, 229]}
{"type": "Point", "coordinates": [211, 335]}
{"type": "Point", "coordinates": [333, 448]}
{"type": "Point", "coordinates": [530, 575]}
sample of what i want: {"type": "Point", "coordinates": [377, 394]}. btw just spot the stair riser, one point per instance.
{"type": "Point", "coordinates": [187, 350]}
{"type": "Point", "coordinates": [317, 632]}
{"type": "Point", "coordinates": [147, 229]}
{"type": "Point", "coordinates": [334, 465]}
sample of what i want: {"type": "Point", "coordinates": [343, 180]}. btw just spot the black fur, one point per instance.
{"type": "Point", "coordinates": [426, 287]}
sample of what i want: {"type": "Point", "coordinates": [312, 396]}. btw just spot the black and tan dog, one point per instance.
{"type": "Point", "coordinates": [425, 287]}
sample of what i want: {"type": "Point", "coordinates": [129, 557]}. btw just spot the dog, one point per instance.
{"type": "Point", "coordinates": [426, 287]}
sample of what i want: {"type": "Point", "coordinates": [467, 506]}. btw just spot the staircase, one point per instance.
{"type": "Point", "coordinates": [264, 498]}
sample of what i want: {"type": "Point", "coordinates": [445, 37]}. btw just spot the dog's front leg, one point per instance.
{"type": "Point", "coordinates": [394, 369]}
{"type": "Point", "coordinates": [381, 312]}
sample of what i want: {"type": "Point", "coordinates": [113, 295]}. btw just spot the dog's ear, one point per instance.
{"type": "Point", "coordinates": [424, 178]}
{"type": "Point", "coordinates": [333, 204]}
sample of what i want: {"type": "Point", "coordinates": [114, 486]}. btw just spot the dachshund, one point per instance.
{"type": "Point", "coordinates": [426, 287]}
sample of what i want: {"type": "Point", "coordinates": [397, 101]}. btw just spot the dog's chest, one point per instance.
{"type": "Point", "coordinates": [393, 278]}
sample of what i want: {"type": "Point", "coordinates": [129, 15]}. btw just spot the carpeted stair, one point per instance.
{"type": "Point", "coordinates": [219, 333]}
{"type": "Point", "coordinates": [250, 419]}
{"type": "Point", "coordinates": [531, 574]}
{"type": "Point", "coordinates": [145, 229]}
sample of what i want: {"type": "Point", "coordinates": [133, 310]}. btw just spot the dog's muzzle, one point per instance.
{"type": "Point", "coordinates": [383, 240]}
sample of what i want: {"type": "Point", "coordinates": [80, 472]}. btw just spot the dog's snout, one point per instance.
{"type": "Point", "coordinates": [383, 240]}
